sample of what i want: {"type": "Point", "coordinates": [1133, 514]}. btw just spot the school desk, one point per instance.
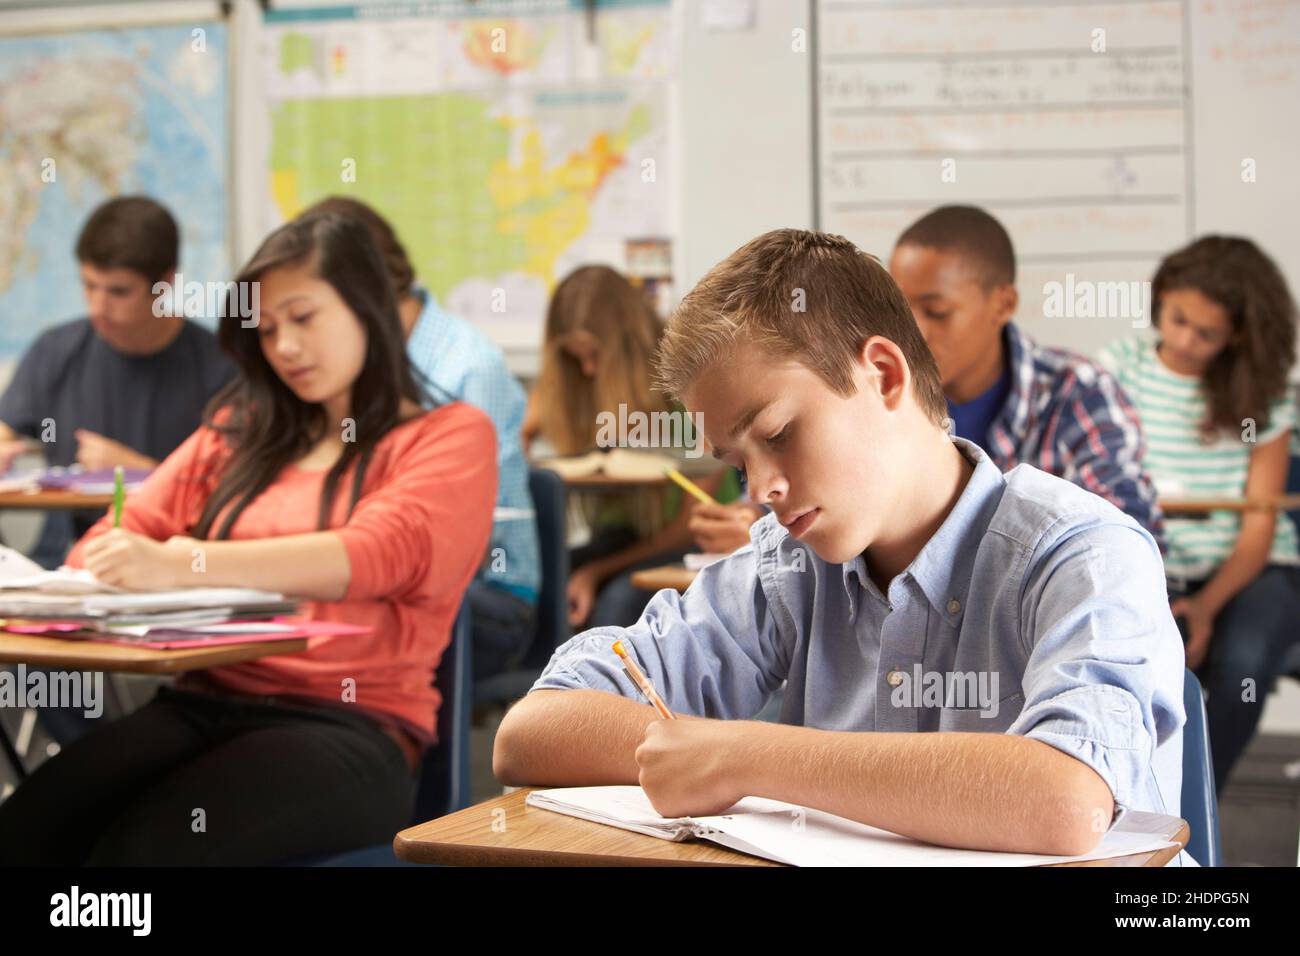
{"type": "Point", "coordinates": [504, 831]}
{"type": "Point", "coordinates": [70, 655]}
{"type": "Point", "coordinates": [676, 577]}
{"type": "Point", "coordinates": [55, 500]}
{"type": "Point", "coordinates": [602, 482]}
{"type": "Point", "coordinates": [1202, 506]}
{"type": "Point", "coordinates": [65, 654]}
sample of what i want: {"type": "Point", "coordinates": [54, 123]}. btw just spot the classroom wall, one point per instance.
{"type": "Point", "coordinates": [743, 133]}
{"type": "Point", "coordinates": [746, 131]}
{"type": "Point", "coordinates": [745, 162]}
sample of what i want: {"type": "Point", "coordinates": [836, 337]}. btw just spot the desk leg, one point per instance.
{"type": "Point", "coordinates": [11, 754]}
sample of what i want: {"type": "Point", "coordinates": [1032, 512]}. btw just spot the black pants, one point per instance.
{"type": "Point", "coordinates": [193, 779]}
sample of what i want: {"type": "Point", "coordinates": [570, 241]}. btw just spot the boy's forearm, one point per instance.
{"type": "Point", "coordinates": [570, 738]}
{"type": "Point", "coordinates": [980, 791]}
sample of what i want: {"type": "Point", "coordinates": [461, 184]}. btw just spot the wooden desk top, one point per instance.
{"type": "Point", "coordinates": [504, 831]}
{"type": "Point", "coordinates": [93, 655]}
{"type": "Point", "coordinates": [55, 500]}
{"type": "Point", "coordinates": [677, 577]}
{"type": "Point", "coordinates": [603, 482]}
{"type": "Point", "coordinates": [1189, 505]}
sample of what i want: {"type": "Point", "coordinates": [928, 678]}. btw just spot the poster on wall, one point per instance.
{"type": "Point", "coordinates": [88, 115]}
{"type": "Point", "coordinates": [507, 142]}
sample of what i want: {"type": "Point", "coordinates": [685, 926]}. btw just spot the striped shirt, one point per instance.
{"type": "Point", "coordinates": [1171, 407]}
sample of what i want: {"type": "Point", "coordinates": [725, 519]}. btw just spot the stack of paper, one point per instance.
{"type": "Point", "coordinates": [166, 637]}
{"type": "Point", "coordinates": [74, 479]}
{"type": "Point", "coordinates": [184, 606]}
{"type": "Point", "coordinates": [71, 594]}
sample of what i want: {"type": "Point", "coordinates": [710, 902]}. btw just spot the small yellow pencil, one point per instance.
{"type": "Point", "coordinates": [643, 682]}
{"type": "Point", "coordinates": [689, 486]}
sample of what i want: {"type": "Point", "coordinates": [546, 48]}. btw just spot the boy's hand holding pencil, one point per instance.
{"type": "Point", "coordinates": [687, 767]}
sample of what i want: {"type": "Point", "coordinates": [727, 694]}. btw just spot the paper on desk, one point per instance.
{"type": "Point", "coordinates": [220, 629]}
{"type": "Point", "coordinates": [178, 599]}
{"type": "Point", "coordinates": [699, 561]}
{"type": "Point", "coordinates": [805, 837]}
{"type": "Point", "coordinates": [165, 638]}
{"type": "Point", "coordinates": [19, 572]}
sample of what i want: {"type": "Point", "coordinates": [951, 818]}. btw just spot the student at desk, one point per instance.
{"type": "Point", "coordinates": [1212, 393]}
{"type": "Point", "coordinates": [1016, 399]}
{"type": "Point", "coordinates": [600, 339]}
{"type": "Point", "coordinates": [972, 658]}
{"type": "Point", "coordinates": [457, 362]}
{"type": "Point", "coordinates": [122, 386]}
{"type": "Point", "coordinates": [317, 475]}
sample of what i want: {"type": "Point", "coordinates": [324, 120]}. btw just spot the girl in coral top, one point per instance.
{"type": "Point", "coordinates": [317, 474]}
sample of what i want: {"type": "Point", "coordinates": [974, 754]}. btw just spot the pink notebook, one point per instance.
{"type": "Point", "coordinates": [161, 639]}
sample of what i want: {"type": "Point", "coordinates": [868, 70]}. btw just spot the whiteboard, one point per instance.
{"type": "Point", "coordinates": [1098, 161]}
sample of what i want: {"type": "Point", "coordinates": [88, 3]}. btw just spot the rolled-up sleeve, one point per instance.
{"type": "Point", "coordinates": [714, 651]}
{"type": "Point", "coordinates": [1105, 674]}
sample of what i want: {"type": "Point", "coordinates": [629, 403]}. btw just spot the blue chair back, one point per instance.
{"type": "Point", "coordinates": [444, 774]}
{"type": "Point", "coordinates": [1200, 805]}
{"type": "Point", "coordinates": [1293, 487]}
{"type": "Point", "coordinates": [550, 501]}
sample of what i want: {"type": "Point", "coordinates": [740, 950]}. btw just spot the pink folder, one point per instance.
{"type": "Point", "coordinates": [314, 631]}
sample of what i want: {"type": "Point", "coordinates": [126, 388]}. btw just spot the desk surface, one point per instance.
{"type": "Point", "coordinates": [677, 577]}
{"type": "Point", "coordinates": [54, 500]}
{"type": "Point", "coordinates": [504, 831]}
{"type": "Point", "coordinates": [93, 655]}
{"type": "Point", "coordinates": [603, 482]}
{"type": "Point", "coordinates": [1189, 505]}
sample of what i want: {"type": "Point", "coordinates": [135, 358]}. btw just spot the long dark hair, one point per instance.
{"type": "Point", "coordinates": [1251, 370]}
{"type": "Point", "coordinates": [265, 424]}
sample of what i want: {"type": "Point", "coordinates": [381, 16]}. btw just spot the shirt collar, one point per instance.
{"type": "Point", "coordinates": [428, 322]}
{"type": "Point", "coordinates": [1019, 352]}
{"type": "Point", "coordinates": [942, 569]}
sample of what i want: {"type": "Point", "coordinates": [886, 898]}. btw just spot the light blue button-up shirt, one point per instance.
{"type": "Point", "coordinates": [1037, 609]}
{"type": "Point", "coordinates": [460, 363]}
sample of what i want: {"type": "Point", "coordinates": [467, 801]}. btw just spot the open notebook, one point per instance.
{"type": "Point", "coordinates": [803, 837]}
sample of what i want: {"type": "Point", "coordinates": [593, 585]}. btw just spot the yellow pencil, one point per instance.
{"type": "Point", "coordinates": [643, 682]}
{"type": "Point", "coordinates": [689, 486]}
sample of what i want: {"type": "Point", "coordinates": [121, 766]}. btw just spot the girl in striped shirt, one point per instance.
{"type": "Point", "coordinates": [1218, 413]}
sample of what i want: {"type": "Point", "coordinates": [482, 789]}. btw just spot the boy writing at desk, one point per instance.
{"type": "Point", "coordinates": [895, 556]}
